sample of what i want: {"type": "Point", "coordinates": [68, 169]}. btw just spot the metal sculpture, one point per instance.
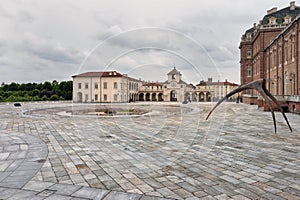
{"type": "Point", "coordinates": [260, 86]}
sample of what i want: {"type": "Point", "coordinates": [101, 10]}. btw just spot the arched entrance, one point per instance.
{"type": "Point", "coordinates": [173, 95]}
{"type": "Point", "coordinates": [201, 96]}
{"type": "Point", "coordinates": [208, 96]}
{"type": "Point", "coordinates": [194, 96]}
{"type": "Point", "coordinates": [187, 97]}
{"type": "Point", "coordinates": [147, 96]}
{"type": "Point", "coordinates": [153, 97]}
{"type": "Point", "coordinates": [79, 97]}
{"type": "Point", "coordinates": [141, 97]}
{"type": "Point", "coordinates": [160, 97]}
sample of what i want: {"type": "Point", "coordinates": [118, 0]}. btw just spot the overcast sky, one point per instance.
{"type": "Point", "coordinates": [55, 39]}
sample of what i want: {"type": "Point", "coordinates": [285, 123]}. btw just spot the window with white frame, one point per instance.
{"type": "Point", "coordinates": [248, 53]}
{"type": "Point", "coordinates": [248, 72]}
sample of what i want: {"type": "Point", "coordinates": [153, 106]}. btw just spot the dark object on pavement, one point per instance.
{"type": "Point", "coordinates": [17, 104]}
{"type": "Point", "coordinates": [260, 86]}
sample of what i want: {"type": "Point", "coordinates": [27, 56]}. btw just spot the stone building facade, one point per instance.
{"type": "Point", "coordinates": [214, 91]}
{"type": "Point", "coordinates": [111, 86]}
{"type": "Point", "coordinates": [270, 50]}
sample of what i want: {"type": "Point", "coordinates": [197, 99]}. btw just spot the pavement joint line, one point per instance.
{"type": "Point", "coordinates": [49, 155]}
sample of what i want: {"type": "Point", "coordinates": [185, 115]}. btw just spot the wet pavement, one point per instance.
{"type": "Point", "coordinates": [171, 152]}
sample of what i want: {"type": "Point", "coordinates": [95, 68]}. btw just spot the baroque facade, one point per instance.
{"type": "Point", "coordinates": [270, 50]}
{"type": "Point", "coordinates": [111, 86]}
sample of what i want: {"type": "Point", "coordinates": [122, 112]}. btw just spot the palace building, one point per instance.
{"type": "Point", "coordinates": [270, 50]}
{"type": "Point", "coordinates": [111, 86]}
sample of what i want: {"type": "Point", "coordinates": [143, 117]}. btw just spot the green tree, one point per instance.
{"type": "Point", "coordinates": [45, 98]}
{"type": "Point", "coordinates": [54, 97]}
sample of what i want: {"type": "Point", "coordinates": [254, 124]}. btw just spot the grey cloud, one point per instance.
{"type": "Point", "coordinates": [48, 50]}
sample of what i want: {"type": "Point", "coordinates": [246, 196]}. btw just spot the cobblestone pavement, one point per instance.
{"type": "Point", "coordinates": [170, 152]}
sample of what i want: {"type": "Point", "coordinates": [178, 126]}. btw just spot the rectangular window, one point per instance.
{"type": "Point", "coordinates": [96, 85]}
{"type": "Point", "coordinates": [86, 86]}
{"type": "Point", "coordinates": [96, 97]}
{"type": "Point", "coordinates": [248, 53]}
{"type": "Point", "coordinates": [115, 97]}
{"type": "Point", "coordinates": [115, 85]}
{"type": "Point", "coordinates": [248, 72]}
{"type": "Point", "coordinates": [79, 85]}
{"type": "Point", "coordinates": [105, 85]}
{"type": "Point", "coordinates": [105, 97]}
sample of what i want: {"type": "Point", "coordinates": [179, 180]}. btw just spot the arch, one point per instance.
{"type": "Point", "coordinates": [79, 97]}
{"type": "Point", "coordinates": [194, 96]}
{"type": "Point", "coordinates": [147, 96]}
{"type": "Point", "coordinates": [160, 97]}
{"type": "Point", "coordinates": [187, 97]}
{"type": "Point", "coordinates": [153, 97]}
{"type": "Point", "coordinates": [201, 96]}
{"type": "Point", "coordinates": [141, 97]}
{"type": "Point", "coordinates": [173, 95]}
{"type": "Point", "coordinates": [208, 96]}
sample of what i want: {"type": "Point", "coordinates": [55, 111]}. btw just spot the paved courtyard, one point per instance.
{"type": "Point", "coordinates": [147, 151]}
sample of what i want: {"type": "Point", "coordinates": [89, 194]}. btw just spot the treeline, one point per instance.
{"type": "Point", "coordinates": [46, 91]}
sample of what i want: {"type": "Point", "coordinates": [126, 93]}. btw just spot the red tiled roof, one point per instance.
{"type": "Point", "coordinates": [100, 74]}
{"type": "Point", "coordinates": [202, 83]}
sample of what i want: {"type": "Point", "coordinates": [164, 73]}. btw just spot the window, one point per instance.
{"type": "Point", "coordinates": [79, 85]}
{"type": "Point", "coordinates": [86, 86]}
{"type": "Point", "coordinates": [272, 21]}
{"type": "Point", "coordinates": [115, 97]}
{"type": "Point", "coordinates": [248, 53]}
{"type": "Point", "coordinates": [96, 85]}
{"type": "Point", "coordinates": [105, 97]}
{"type": "Point", "coordinates": [292, 48]}
{"type": "Point", "coordinates": [174, 76]}
{"type": "Point", "coordinates": [115, 85]}
{"type": "Point", "coordinates": [287, 19]}
{"type": "Point", "coordinates": [105, 85]}
{"type": "Point", "coordinates": [286, 82]}
{"type": "Point", "coordinates": [248, 71]}
{"type": "Point", "coordinates": [96, 97]}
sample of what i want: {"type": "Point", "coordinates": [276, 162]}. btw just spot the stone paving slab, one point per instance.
{"type": "Point", "coordinates": [173, 154]}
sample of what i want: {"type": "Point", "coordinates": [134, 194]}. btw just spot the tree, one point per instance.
{"type": "Point", "coordinates": [47, 86]}
{"type": "Point", "coordinates": [45, 98]}
{"type": "Point", "coordinates": [54, 97]}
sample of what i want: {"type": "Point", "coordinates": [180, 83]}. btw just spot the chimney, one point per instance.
{"type": "Point", "coordinates": [292, 5]}
{"type": "Point", "coordinates": [272, 10]}
{"type": "Point", "coordinates": [209, 80]}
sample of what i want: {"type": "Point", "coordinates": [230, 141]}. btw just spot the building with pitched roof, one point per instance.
{"type": "Point", "coordinates": [108, 86]}
{"type": "Point", "coordinates": [111, 86]}
{"type": "Point", "coordinates": [270, 50]}
{"type": "Point", "coordinates": [214, 91]}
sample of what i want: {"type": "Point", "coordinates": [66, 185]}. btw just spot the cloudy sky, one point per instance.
{"type": "Point", "coordinates": [55, 39]}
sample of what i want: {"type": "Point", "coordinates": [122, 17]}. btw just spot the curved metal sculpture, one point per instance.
{"type": "Point", "coordinates": [260, 86]}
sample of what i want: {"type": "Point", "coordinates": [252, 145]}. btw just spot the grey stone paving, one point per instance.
{"type": "Point", "coordinates": [172, 152]}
